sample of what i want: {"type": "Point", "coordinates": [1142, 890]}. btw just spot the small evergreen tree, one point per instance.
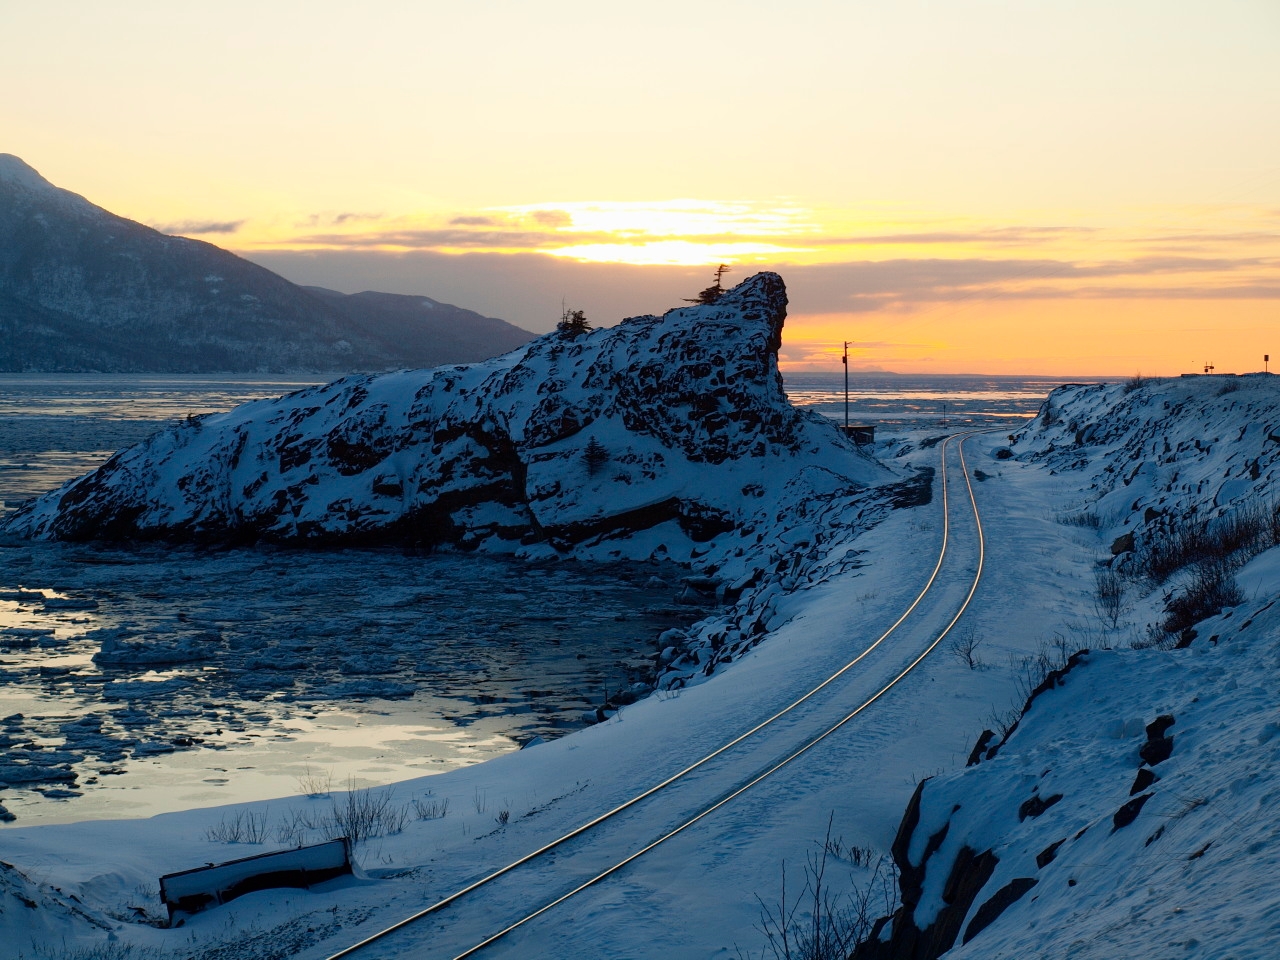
{"type": "Point", "coordinates": [713, 292]}
{"type": "Point", "coordinates": [594, 456]}
{"type": "Point", "coordinates": [573, 323]}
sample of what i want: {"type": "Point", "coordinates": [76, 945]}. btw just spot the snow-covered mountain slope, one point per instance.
{"type": "Point", "coordinates": [1127, 813]}
{"type": "Point", "coordinates": [674, 425]}
{"type": "Point", "coordinates": [82, 289]}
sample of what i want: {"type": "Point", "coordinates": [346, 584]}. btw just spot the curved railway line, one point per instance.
{"type": "Point", "coordinates": [731, 791]}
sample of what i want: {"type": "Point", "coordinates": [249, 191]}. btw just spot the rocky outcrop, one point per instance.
{"type": "Point", "coordinates": [677, 423]}
{"type": "Point", "coordinates": [84, 290]}
{"type": "Point", "coordinates": [909, 937]}
{"type": "Point", "coordinates": [1173, 470]}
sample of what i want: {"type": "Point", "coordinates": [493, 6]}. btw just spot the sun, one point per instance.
{"type": "Point", "coordinates": [667, 232]}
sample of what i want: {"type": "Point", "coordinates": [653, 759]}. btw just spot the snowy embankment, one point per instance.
{"type": "Point", "coordinates": [1129, 811]}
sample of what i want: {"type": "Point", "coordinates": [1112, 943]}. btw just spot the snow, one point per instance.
{"type": "Point", "coordinates": [15, 171]}
{"type": "Point", "coordinates": [828, 566]}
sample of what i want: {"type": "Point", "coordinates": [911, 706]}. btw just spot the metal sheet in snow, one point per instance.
{"type": "Point", "coordinates": [191, 891]}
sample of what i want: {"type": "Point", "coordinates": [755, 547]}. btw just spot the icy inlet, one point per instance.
{"type": "Point", "coordinates": [684, 415]}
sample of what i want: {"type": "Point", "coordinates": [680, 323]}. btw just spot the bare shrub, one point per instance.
{"type": "Point", "coordinates": [858, 856]}
{"type": "Point", "coordinates": [965, 646]}
{"type": "Point", "coordinates": [1002, 721]}
{"type": "Point", "coordinates": [296, 830]}
{"type": "Point", "coordinates": [1136, 382]}
{"type": "Point", "coordinates": [503, 818]}
{"type": "Point", "coordinates": [480, 800]}
{"type": "Point", "coordinates": [429, 808]}
{"type": "Point", "coordinates": [1110, 601]}
{"type": "Point", "coordinates": [244, 826]}
{"type": "Point", "coordinates": [316, 784]}
{"type": "Point", "coordinates": [819, 924]}
{"type": "Point", "coordinates": [1030, 670]}
{"type": "Point", "coordinates": [1212, 588]}
{"type": "Point", "coordinates": [366, 813]}
{"type": "Point", "coordinates": [1080, 518]}
{"type": "Point", "coordinates": [104, 950]}
{"type": "Point", "coordinates": [1234, 538]}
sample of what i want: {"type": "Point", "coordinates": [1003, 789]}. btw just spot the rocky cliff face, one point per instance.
{"type": "Point", "coordinates": [83, 289]}
{"type": "Point", "coordinates": [676, 424]}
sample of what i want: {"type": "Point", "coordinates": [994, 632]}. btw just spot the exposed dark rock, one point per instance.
{"type": "Point", "coordinates": [1129, 812]}
{"type": "Point", "coordinates": [916, 491]}
{"type": "Point", "coordinates": [1159, 746]}
{"type": "Point", "coordinates": [1004, 898]}
{"type": "Point", "coordinates": [969, 872]}
{"type": "Point", "coordinates": [1036, 806]}
{"type": "Point", "coordinates": [1145, 778]}
{"type": "Point", "coordinates": [1049, 853]}
{"type": "Point", "coordinates": [1122, 544]}
{"type": "Point", "coordinates": [980, 748]}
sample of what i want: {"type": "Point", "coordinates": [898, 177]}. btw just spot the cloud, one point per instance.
{"type": "Point", "coordinates": [1018, 235]}
{"type": "Point", "coordinates": [1242, 291]}
{"type": "Point", "coordinates": [868, 286]}
{"type": "Point", "coordinates": [469, 221]}
{"type": "Point", "coordinates": [526, 288]}
{"type": "Point", "coordinates": [436, 239]}
{"type": "Point", "coordinates": [198, 227]}
{"type": "Point", "coordinates": [552, 218]}
{"type": "Point", "coordinates": [355, 217]}
{"type": "Point", "coordinates": [337, 219]}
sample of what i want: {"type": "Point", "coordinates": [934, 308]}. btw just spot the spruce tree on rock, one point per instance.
{"type": "Point", "coordinates": [594, 456]}
{"type": "Point", "coordinates": [573, 323]}
{"type": "Point", "coordinates": [713, 292]}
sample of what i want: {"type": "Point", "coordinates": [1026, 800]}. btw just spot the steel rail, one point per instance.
{"type": "Point", "coordinates": [805, 748]}
{"type": "Point", "coordinates": [596, 821]}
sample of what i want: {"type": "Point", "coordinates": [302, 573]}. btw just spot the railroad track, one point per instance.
{"type": "Point", "coordinates": [727, 794]}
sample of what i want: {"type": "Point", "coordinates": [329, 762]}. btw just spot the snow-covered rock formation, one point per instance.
{"type": "Point", "coordinates": [1159, 454]}
{"type": "Point", "coordinates": [675, 425]}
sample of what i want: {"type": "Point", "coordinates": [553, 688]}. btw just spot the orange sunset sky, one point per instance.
{"type": "Point", "coordinates": [1073, 188]}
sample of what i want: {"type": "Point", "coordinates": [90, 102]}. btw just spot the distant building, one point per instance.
{"type": "Point", "coordinates": [860, 433]}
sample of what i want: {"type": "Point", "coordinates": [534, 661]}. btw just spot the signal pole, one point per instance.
{"type": "Point", "coordinates": [845, 359]}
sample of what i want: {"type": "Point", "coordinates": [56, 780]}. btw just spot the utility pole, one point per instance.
{"type": "Point", "coordinates": [1266, 361]}
{"type": "Point", "coordinates": [845, 358]}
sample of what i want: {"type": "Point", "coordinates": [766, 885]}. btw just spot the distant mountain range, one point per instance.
{"type": "Point", "coordinates": [82, 289]}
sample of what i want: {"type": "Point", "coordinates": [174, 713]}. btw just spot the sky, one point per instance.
{"type": "Point", "coordinates": [1043, 186]}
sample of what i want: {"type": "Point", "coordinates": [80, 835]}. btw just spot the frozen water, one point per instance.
{"type": "Point", "coordinates": [165, 677]}
{"type": "Point", "coordinates": [897, 402]}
